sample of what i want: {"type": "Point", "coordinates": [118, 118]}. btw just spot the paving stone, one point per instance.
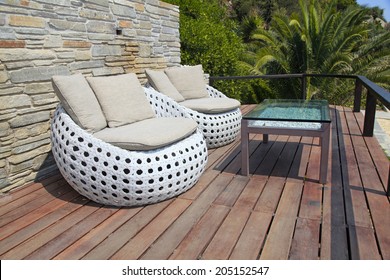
{"type": "Point", "coordinates": [25, 55]}
{"type": "Point", "coordinates": [103, 3]}
{"type": "Point", "coordinates": [53, 42]}
{"type": "Point", "coordinates": [26, 21]}
{"type": "Point", "coordinates": [14, 101]}
{"type": "Point", "coordinates": [67, 25]}
{"type": "Point", "coordinates": [103, 50]}
{"type": "Point", "coordinates": [30, 119]}
{"type": "Point", "coordinates": [76, 44]}
{"type": "Point", "coordinates": [19, 158]}
{"type": "Point", "coordinates": [37, 74]}
{"type": "Point", "coordinates": [57, 2]}
{"type": "Point", "coordinates": [100, 27]}
{"type": "Point", "coordinates": [3, 76]}
{"type": "Point", "coordinates": [36, 88]}
{"type": "Point", "coordinates": [7, 33]}
{"type": "Point", "coordinates": [124, 11]}
{"type": "Point", "coordinates": [107, 71]}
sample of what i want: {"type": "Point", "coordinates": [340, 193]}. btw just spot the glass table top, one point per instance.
{"type": "Point", "coordinates": [296, 110]}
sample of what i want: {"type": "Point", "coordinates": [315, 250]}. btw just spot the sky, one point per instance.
{"type": "Point", "coordinates": [383, 4]}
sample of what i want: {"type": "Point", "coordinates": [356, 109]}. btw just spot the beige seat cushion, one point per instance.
{"type": "Point", "coordinates": [188, 80]}
{"type": "Point", "coordinates": [160, 81]}
{"type": "Point", "coordinates": [148, 134]}
{"type": "Point", "coordinates": [210, 105]}
{"type": "Point", "coordinates": [122, 99]}
{"type": "Point", "coordinates": [79, 101]}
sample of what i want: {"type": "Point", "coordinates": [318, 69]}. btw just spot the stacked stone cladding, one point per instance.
{"type": "Point", "coordinates": [42, 38]}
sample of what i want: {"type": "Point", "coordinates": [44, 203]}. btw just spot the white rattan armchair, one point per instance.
{"type": "Point", "coordinates": [218, 129]}
{"type": "Point", "coordinates": [113, 176]}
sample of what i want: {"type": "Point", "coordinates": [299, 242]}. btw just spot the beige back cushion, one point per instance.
{"type": "Point", "coordinates": [188, 80]}
{"type": "Point", "coordinates": [160, 81]}
{"type": "Point", "coordinates": [122, 99]}
{"type": "Point", "coordinates": [79, 101]}
{"type": "Point", "coordinates": [148, 134]}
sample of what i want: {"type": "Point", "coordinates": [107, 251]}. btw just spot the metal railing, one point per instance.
{"type": "Point", "coordinates": [375, 93]}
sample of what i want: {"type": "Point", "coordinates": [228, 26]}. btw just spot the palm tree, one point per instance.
{"type": "Point", "coordinates": [320, 41]}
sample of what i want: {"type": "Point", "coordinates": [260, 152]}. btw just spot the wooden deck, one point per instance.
{"type": "Point", "coordinates": [279, 212]}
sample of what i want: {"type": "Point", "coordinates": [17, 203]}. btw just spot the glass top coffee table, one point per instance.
{"type": "Point", "coordinates": [288, 117]}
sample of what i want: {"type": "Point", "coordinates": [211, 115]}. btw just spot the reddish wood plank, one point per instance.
{"type": "Point", "coordinates": [334, 243]}
{"type": "Point", "coordinates": [374, 165]}
{"type": "Point", "coordinates": [232, 162]}
{"type": "Point", "coordinates": [380, 212]}
{"type": "Point", "coordinates": [36, 214]}
{"type": "Point", "coordinates": [201, 185]}
{"type": "Point", "coordinates": [270, 196]}
{"type": "Point", "coordinates": [258, 150]}
{"type": "Point", "coordinates": [227, 235]}
{"type": "Point", "coordinates": [378, 156]}
{"type": "Point", "coordinates": [299, 166]}
{"type": "Point", "coordinates": [356, 207]}
{"type": "Point", "coordinates": [363, 244]}
{"type": "Point", "coordinates": [252, 237]}
{"type": "Point", "coordinates": [306, 241]}
{"type": "Point", "coordinates": [197, 239]}
{"type": "Point", "coordinates": [311, 203]}
{"type": "Point", "coordinates": [374, 190]}
{"type": "Point", "coordinates": [251, 193]}
{"type": "Point", "coordinates": [221, 156]}
{"type": "Point", "coordinates": [71, 235]}
{"type": "Point", "coordinates": [89, 241]}
{"type": "Point", "coordinates": [278, 242]}
{"type": "Point", "coordinates": [30, 202]}
{"type": "Point", "coordinates": [171, 238]}
{"type": "Point", "coordinates": [51, 232]}
{"type": "Point", "coordinates": [230, 194]}
{"type": "Point", "coordinates": [272, 156]}
{"type": "Point", "coordinates": [123, 234]}
{"type": "Point", "coordinates": [139, 243]}
{"type": "Point", "coordinates": [286, 158]}
{"type": "Point", "coordinates": [24, 234]}
{"type": "Point", "coordinates": [14, 194]}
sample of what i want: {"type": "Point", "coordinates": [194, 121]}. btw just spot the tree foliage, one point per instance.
{"type": "Point", "coordinates": [284, 37]}
{"type": "Point", "coordinates": [208, 37]}
{"type": "Point", "coordinates": [320, 41]}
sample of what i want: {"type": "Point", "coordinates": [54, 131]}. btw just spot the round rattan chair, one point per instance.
{"type": "Point", "coordinates": [113, 176]}
{"type": "Point", "coordinates": [218, 129]}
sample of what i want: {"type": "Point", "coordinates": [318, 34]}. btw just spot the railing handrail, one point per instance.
{"type": "Point", "coordinates": [378, 92]}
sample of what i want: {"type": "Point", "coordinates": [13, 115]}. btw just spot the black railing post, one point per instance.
{"type": "Point", "coordinates": [211, 81]}
{"type": "Point", "coordinates": [358, 95]}
{"type": "Point", "coordinates": [369, 117]}
{"type": "Point", "coordinates": [304, 85]}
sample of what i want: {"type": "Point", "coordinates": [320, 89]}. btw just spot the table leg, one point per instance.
{"type": "Point", "coordinates": [265, 138]}
{"type": "Point", "coordinates": [244, 148]}
{"type": "Point", "coordinates": [325, 138]}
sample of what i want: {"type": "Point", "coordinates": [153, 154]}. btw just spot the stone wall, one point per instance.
{"type": "Point", "coordinates": [42, 38]}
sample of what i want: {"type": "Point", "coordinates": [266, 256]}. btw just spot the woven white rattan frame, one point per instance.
{"type": "Point", "coordinates": [218, 129]}
{"type": "Point", "coordinates": [113, 176]}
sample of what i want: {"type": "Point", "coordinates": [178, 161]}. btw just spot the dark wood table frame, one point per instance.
{"type": "Point", "coordinates": [323, 133]}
